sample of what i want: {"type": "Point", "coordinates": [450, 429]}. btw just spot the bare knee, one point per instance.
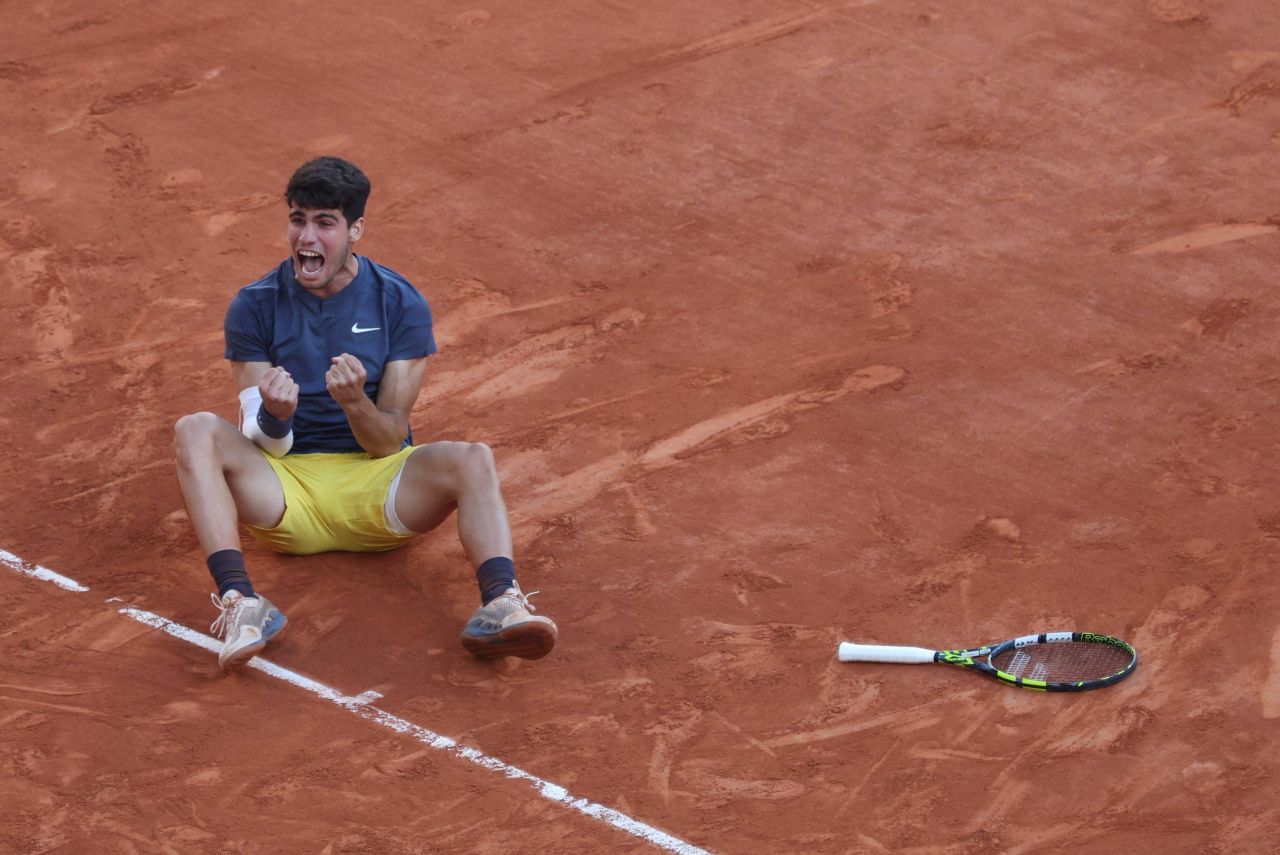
{"type": "Point", "coordinates": [195, 434]}
{"type": "Point", "coordinates": [467, 467]}
{"type": "Point", "coordinates": [478, 454]}
{"type": "Point", "coordinates": [477, 469]}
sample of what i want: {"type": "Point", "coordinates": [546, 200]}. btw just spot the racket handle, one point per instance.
{"type": "Point", "coordinates": [884, 653]}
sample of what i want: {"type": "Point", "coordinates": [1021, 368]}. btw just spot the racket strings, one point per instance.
{"type": "Point", "coordinates": [1063, 661]}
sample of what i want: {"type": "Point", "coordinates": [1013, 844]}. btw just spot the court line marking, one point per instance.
{"type": "Point", "coordinates": [362, 705]}
{"type": "Point", "coordinates": [44, 574]}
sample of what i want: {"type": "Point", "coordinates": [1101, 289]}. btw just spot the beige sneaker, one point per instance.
{"type": "Point", "coordinates": [247, 624]}
{"type": "Point", "coordinates": [505, 627]}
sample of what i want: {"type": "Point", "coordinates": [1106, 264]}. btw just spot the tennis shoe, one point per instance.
{"type": "Point", "coordinates": [247, 625]}
{"type": "Point", "coordinates": [505, 626]}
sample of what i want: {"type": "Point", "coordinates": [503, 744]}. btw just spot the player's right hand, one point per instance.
{"type": "Point", "coordinates": [279, 392]}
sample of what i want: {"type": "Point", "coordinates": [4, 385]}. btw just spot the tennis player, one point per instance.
{"type": "Point", "coordinates": [328, 352]}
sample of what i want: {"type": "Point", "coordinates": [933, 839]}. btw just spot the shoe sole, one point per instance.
{"type": "Point", "coordinates": [275, 625]}
{"type": "Point", "coordinates": [531, 640]}
{"type": "Point", "coordinates": [276, 622]}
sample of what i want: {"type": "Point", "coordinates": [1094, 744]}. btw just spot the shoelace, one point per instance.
{"type": "Point", "coordinates": [226, 615]}
{"type": "Point", "coordinates": [522, 598]}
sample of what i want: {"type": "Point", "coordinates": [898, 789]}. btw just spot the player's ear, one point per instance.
{"type": "Point", "coordinates": [356, 229]}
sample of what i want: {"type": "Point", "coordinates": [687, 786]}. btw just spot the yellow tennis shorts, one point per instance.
{"type": "Point", "coordinates": [334, 502]}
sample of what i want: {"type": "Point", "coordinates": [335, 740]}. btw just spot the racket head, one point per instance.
{"type": "Point", "coordinates": [1060, 661]}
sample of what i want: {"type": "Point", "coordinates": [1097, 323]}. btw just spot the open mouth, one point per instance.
{"type": "Point", "coordinates": [310, 263]}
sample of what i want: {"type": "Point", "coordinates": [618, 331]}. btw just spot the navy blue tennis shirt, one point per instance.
{"type": "Point", "coordinates": [378, 318]}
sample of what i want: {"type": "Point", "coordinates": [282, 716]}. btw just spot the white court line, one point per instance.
{"type": "Point", "coordinates": [362, 706]}
{"type": "Point", "coordinates": [44, 574]}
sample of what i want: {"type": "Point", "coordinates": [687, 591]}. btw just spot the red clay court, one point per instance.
{"type": "Point", "coordinates": [897, 321]}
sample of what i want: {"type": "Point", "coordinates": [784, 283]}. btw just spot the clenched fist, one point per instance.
{"type": "Point", "coordinates": [345, 379]}
{"type": "Point", "coordinates": [279, 393]}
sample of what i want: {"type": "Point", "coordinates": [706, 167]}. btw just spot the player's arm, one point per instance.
{"type": "Point", "coordinates": [380, 427]}
{"type": "Point", "coordinates": [268, 400]}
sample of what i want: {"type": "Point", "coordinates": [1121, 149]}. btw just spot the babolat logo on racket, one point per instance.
{"type": "Point", "coordinates": [1103, 639]}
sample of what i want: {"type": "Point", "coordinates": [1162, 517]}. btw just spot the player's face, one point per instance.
{"type": "Point", "coordinates": [321, 240]}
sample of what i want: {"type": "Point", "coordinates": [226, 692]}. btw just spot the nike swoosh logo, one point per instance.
{"type": "Point", "coordinates": [356, 328]}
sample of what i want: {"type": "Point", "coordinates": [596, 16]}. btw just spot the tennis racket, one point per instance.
{"type": "Point", "coordinates": [1049, 662]}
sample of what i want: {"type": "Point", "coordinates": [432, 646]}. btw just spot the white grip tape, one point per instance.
{"type": "Point", "coordinates": [849, 652]}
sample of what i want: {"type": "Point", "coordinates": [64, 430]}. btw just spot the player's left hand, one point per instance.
{"type": "Point", "coordinates": [345, 379]}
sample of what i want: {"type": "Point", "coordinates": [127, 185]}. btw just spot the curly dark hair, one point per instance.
{"type": "Point", "coordinates": [329, 182]}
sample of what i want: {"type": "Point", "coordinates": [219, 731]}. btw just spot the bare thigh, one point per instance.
{"type": "Point", "coordinates": [208, 446]}
{"type": "Point", "coordinates": [254, 485]}
{"type": "Point", "coordinates": [431, 481]}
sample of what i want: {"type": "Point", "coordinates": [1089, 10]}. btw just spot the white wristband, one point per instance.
{"type": "Point", "coordinates": [250, 403]}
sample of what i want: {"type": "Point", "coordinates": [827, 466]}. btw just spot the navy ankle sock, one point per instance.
{"type": "Point", "coordinates": [227, 568]}
{"type": "Point", "coordinates": [494, 577]}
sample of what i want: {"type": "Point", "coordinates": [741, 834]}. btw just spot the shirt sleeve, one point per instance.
{"type": "Point", "coordinates": [412, 336]}
{"type": "Point", "coordinates": [244, 332]}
